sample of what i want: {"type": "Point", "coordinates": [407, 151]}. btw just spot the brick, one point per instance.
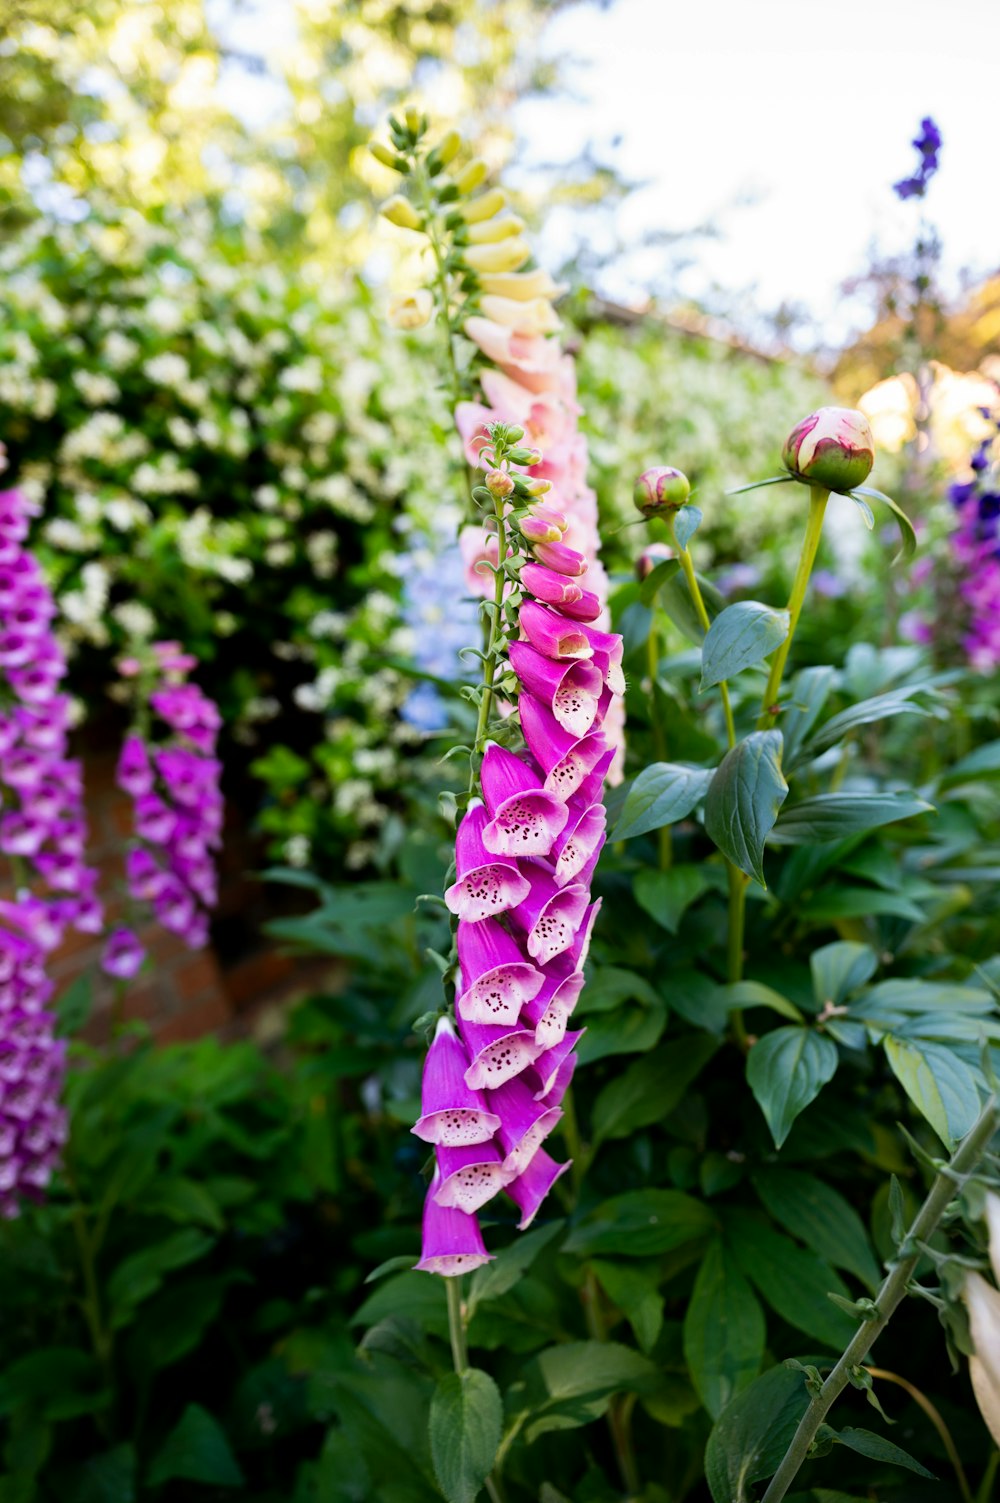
{"type": "Point", "coordinates": [193, 1023]}
{"type": "Point", "coordinates": [197, 975]}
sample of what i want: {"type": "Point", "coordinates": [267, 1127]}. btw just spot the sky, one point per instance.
{"type": "Point", "coordinates": [785, 123]}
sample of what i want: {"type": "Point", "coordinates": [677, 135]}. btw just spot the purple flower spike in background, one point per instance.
{"type": "Point", "coordinates": [928, 144]}
{"type": "Point", "coordinates": [32, 1069]}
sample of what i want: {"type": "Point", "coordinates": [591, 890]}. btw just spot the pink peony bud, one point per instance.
{"type": "Point", "coordinates": [661, 489]}
{"type": "Point", "coordinates": [832, 448]}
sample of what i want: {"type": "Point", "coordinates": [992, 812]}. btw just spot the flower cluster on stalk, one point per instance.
{"type": "Point", "coordinates": [928, 143]}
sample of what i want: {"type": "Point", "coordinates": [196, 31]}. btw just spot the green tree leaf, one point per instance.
{"type": "Point", "coordinates": [832, 816]}
{"type": "Point", "coordinates": [687, 520]}
{"type": "Point", "coordinates": [141, 1274]}
{"type": "Point", "coordinates": [107, 1478]}
{"type": "Point", "coordinates": [787, 1069]}
{"type": "Point", "coordinates": [819, 1216]}
{"type": "Point", "coordinates": [906, 532]}
{"type": "Point", "coordinates": [880, 707]}
{"type": "Point", "coordinates": [675, 598]}
{"type": "Point", "coordinates": [793, 1281]}
{"type": "Point", "coordinates": [640, 1224]}
{"type": "Point", "coordinates": [662, 793]}
{"type": "Point", "coordinates": [839, 969]}
{"type": "Point", "coordinates": [743, 994]}
{"type": "Point", "coordinates": [571, 1384]}
{"type": "Point", "coordinates": [941, 1086]}
{"type": "Point", "coordinates": [744, 798]}
{"type": "Point", "coordinates": [651, 1087]}
{"type": "Point", "coordinates": [752, 1434]}
{"type": "Point", "coordinates": [495, 1278]}
{"type": "Point", "coordinates": [724, 1330]}
{"type": "Point", "coordinates": [741, 635]}
{"type": "Point", "coordinates": [634, 1289]}
{"type": "Point", "coordinates": [666, 896]}
{"type": "Point", "coordinates": [465, 1427]}
{"type": "Point", "coordinates": [877, 1448]}
{"type": "Point", "coordinates": [196, 1450]}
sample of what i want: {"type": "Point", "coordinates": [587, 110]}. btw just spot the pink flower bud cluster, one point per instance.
{"type": "Point", "coordinates": [173, 781]}
{"type": "Point", "coordinates": [32, 1064]}
{"type": "Point", "coordinates": [525, 854]}
{"type": "Point", "coordinates": [532, 383]}
{"type": "Point", "coordinates": [42, 827]}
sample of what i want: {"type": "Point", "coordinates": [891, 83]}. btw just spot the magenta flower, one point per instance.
{"type": "Point", "coordinates": [123, 955]}
{"type": "Point", "coordinates": [32, 1069]}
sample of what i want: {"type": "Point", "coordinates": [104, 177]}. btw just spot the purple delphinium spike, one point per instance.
{"type": "Point", "coordinates": [497, 977]}
{"type": "Point", "coordinates": [532, 1185]}
{"type": "Point", "coordinates": [524, 1123]}
{"type": "Point", "coordinates": [571, 691]}
{"type": "Point", "coordinates": [486, 884]}
{"type": "Point", "coordinates": [451, 1113]}
{"type": "Point", "coordinates": [451, 1242]}
{"type": "Point", "coordinates": [469, 1176]}
{"type": "Point", "coordinates": [524, 817]}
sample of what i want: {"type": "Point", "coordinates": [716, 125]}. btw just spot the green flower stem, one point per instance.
{"type": "Point", "coordinates": [460, 1358]}
{"type": "Point", "coordinates": [659, 735]}
{"type": "Point", "coordinates": [737, 881]}
{"type": "Point", "coordinates": [985, 1493]}
{"type": "Point", "coordinates": [810, 543]}
{"type": "Point", "coordinates": [894, 1287]}
{"type": "Point", "coordinates": [490, 663]}
{"type": "Point", "coordinates": [441, 281]}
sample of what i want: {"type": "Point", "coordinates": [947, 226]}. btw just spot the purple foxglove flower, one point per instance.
{"type": "Point", "coordinates": [23, 769]}
{"type": "Point", "coordinates": [607, 648]}
{"type": "Point", "coordinates": [532, 1185]}
{"type": "Point", "coordinates": [486, 884]}
{"type": "Point", "coordinates": [123, 954]}
{"type": "Point", "coordinates": [524, 1123]}
{"type": "Point", "coordinates": [549, 1013]}
{"type": "Point", "coordinates": [451, 1113]}
{"type": "Point", "coordinates": [547, 1065]}
{"type": "Point", "coordinates": [560, 1081]}
{"type": "Point", "coordinates": [550, 587]}
{"type": "Point", "coordinates": [579, 843]}
{"type": "Point", "coordinates": [451, 1243]}
{"type": "Point", "coordinates": [32, 1069]}
{"type": "Point", "coordinates": [61, 872]}
{"type": "Point", "coordinates": [524, 817]}
{"type": "Point", "coordinates": [587, 608]}
{"type": "Point", "coordinates": [560, 558]}
{"type": "Point", "coordinates": [16, 648]}
{"type": "Point", "coordinates": [9, 733]}
{"type": "Point", "coordinates": [565, 759]}
{"type": "Point", "coordinates": [153, 820]}
{"type": "Point", "coordinates": [497, 1053]}
{"type": "Point", "coordinates": [552, 634]}
{"type": "Point", "coordinates": [469, 1176]}
{"type": "Point", "coordinates": [550, 915]}
{"type": "Point", "coordinates": [21, 835]}
{"type": "Point", "coordinates": [146, 878]}
{"type": "Point", "coordinates": [135, 771]}
{"type": "Point", "coordinates": [497, 978]}
{"type": "Point", "coordinates": [571, 691]}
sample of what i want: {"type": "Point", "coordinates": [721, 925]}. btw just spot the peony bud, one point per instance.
{"type": "Point", "coordinates": [650, 558]}
{"type": "Point", "coordinates": [472, 175]}
{"type": "Point", "coordinates": [492, 231]}
{"type": "Point", "coordinates": [411, 310]}
{"type": "Point", "coordinates": [507, 256]}
{"type": "Point", "coordinates": [832, 448]}
{"type": "Point", "coordinates": [661, 489]}
{"type": "Point", "coordinates": [399, 210]}
{"type": "Point", "coordinates": [500, 484]}
{"type": "Point", "coordinates": [483, 207]}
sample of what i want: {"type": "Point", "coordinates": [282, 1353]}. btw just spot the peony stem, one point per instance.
{"type": "Point", "coordinates": [810, 543]}
{"type": "Point", "coordinates": [890, 1295]}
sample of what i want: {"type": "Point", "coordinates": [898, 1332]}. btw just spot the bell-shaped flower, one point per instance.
{"type": "Point", "coordinates": [451, 1113]}
{"type": "Point", "coordinates": [528, 358]}
{"type": "Point", "coordinates": [523, 284]}
{"type": "Point", "coordinates": [550, 1011]}
{"type": "Point", "coordinates": [532, 1185]}
{"type": "Point", "coordinates": [550, 915]}
{"type": "Point", "coordinates": [486, 884]}
{"type": "Point", "coordinates": [549, 587]}
{"type": "Point", "coordinates": [526, 315]}
{"type": "Point", "coordinates": [982, 1301]}
{"type": "Point", "coordinates": [497, 1053]}
{"type": "Point", "coordinates": [571, 691]}
{"type": "Point", "coordinates": [497, 979]}
{"type": "Point", "coordinates": [565, 759]}
{"type": "Point", "coordinates": [524, 1123]}
{"type": "Point", "coordinates": [469, 1176]}
{"type": "Point", "coordinates": [451, 1242]}
{"type": "Point", "coordinates": [561, 558]}
{"type": "Point", "coordinates": [552, 634]}
{"type": "Point", "coordinates": [525, 818]}
{"type": "Point", "coordinates": [580, 843]}
{"type": "Point", "coordinates": [607, 648]}
{"type": "Point", "coordinates": [546, 1065]}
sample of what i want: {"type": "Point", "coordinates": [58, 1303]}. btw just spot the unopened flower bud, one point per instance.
{"type": "Point", "coordinates": [531, 488]}
{"type": "Point", "coordinates": [538, 530]}
{"type": "Point", "coordinates": [514, 433]}
{"type": "Point", "coordinates": [507, 256]}
{"type": "Point", "coordinates": [448, 147]}
{"type": "Point", "coordinates": [399, 210]}
{"type": "Point", "coordinates": [500, 484]}
{"type": "Point", "coordinates": [526, 315]}
{"type": "Point", "coordinates": [525, 456]}
{"type": "Point", "coordinates": [552, 516]}
{"type": "Point", "coordinates": [472, 175]}
{"type": "Point", "coordinates": [412, 117]}
{"type": "Point", "coordinates": [388, 157]}
{"type": "Point", "coordinates": [650, 558]}
{"type": "Point", "coordinates": [523, 285]}
{"type": "Point", "coordinates": [411, 310]}
{"type": "Point", "coordinates": [483, 207]}
{"type": "Point", "coordinates": [832, 448]}
{"type": "Point", "coordinates": [492, 231]}
{"type": "Point", "coordinates": [661, 489]}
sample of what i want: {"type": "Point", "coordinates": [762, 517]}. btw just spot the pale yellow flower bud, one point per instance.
{"type": "Point", "coordinates": [399, 210]}
{"type": "Point", "coordinates": [387, 156]}
{"type": "Point", "coordinates": [483, 207]}
{"type": "Point", "coordinates": [535, 317]}
{"type": "Point", "coordinates": [412, 117]}
{"type": "Point", "coordinates": [523, 285]}
{"type": "Point", "coordinates": [491, 231]}
{"type": "Point", "coordinates": [507, 256]}
{"type": "Point", "coordinates": [472, 175]}
{"type": "Point", "coordinates": [448, 146]}
{"type": "Point", "coordinates": [411, 310]}
{"type": "Point", "coordinates": [983, 1304]}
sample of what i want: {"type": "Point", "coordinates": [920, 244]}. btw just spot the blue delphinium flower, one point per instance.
{"type": "Point", "coordinates": [928, 144]}
{"type": "Point", "coordinates": [443, 619]}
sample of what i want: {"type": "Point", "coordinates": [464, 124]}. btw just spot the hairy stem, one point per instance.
{"type": "Point", "coordinates": [810, 543]}
{"type": "Point", "coordinates": [894, 1287]}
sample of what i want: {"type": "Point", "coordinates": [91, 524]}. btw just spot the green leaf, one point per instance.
{"type": "Point", "coordinates": [666, 896]}
{"type": "Point", "coordinates": [197, 1451]}
{"type": "Point", "coordinates": [724, 1330]}
{"type": "Point", "coordinates": [880, 707]}
{"type": "Point", "coordinates": [650, 587]}
{"type": "Point", "coordinates": [174, 1321]}
{"type": "Point", "coordinates": [743, 994]}
{"type": "Point", "coordinates": [675, 598]}
{"type": "Point", "coordinates": [839, 969]}
{"type": "Point", "coordinates": [906, 532]}
{"type": "Point", "coordinates": [819, 1216]}
{"type": "Point", "coordinates": [571, 1384]}
{"type": "Point", "coordinates": [629, 1030]}
{"type": "Point", "coordinates": [741, 635]}
{"type": "Point", "coordinates": [180, 1199]}
{"type": "Point", "coordinates": [465, 1428]}
{"type": "Point", "coordinates": [877, 1448]}
{"type": "Point", "coordinates": [982, 762]}
{"type": "Point", "coordinates": [74, 1005]}
{"type": "Point", "coordinates": [756, 485]}
{"type": "Point", "coordinates": [941, 1086]}
{"type": "Point", "coordinates": [864, 509]}
{"type": "Point", "coordinates": [651, 1087]}
{"type": "Point", "coordinates": [794, 1281]}
{"type": "Point", "coordinates": [662, 793]}
{"type": "Point", "coordinates": [640, 1224]}
{"type": "Point", "coordinates": [834, 902]}
{"type": "Point", "coordinates": [744, 798]}
{"type": "Point", "coordinates": [107, 1478]}
{"type": "Point", "coordinates": [687, 520]}
{"type": "Point", "coordinates": [752, 1434]}
{"type": "Point", "coordinates": [140, 1275]}
{"type": "Point", "coordinates": [390, 1265]}
{"type": "Point", "coordinates": [414, 1295]}
{"type": "Point", "coordinates": [58, 1382]}
{"type": "Point", "coordinates": [634, 1289]}
{"type": "Point", "coordinates": [496, 1278]}
{"type": "Point", "coordinates": [832, 816]}
{"type": "Point", "coordinates": [787, 1069]}
{"type": "Point", "coordinates": [611, 985]}
{"type": "Point", "coordinates": [809, 693]}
